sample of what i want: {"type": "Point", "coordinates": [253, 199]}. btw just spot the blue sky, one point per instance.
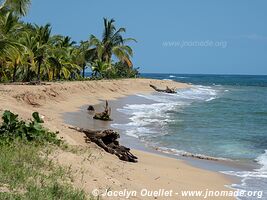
{"type": "Point", "coordinates": [174, 36]}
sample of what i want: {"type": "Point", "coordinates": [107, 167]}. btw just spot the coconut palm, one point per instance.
{"type": "Point", "coordinates": [61, 60]}
{"type": "Point", "coordinates": [43, 34]}
{"type": "Point", "coordinates": [10, 28]}
{"type": "Point", "coordinates": [62, 41]}
{"type": "Point", "coordinates": [30, 51]}
{"type": "Point", "coordinates": [9, 25]}
{"type": "Point", "coordinates": [30, 44]}
{"type": "Point", "coordinates": [14, 60]}
{"type": "Point", "coordinates": [82, 55]}
{"type": "Point", "coordinates": [99, 68]}
{"type": "Point", "coordinates": [3, 47]}
{"type": "Point", "coordinates": [112, 43]}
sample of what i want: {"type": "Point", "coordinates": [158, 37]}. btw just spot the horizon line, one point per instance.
{"type": "Point", "coordinates": [203, 74]}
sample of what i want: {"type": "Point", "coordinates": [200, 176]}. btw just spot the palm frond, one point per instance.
{"type": "Point", "coordinates": [20, 7]}
{"type": "Point", "coordinates": [129, 40]}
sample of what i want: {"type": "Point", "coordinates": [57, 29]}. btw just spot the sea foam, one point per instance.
{"type": "Point", "coordinates": [151, 120]}
{"type": "Point", "coordinates": [252, 180]}
{"type": "Point", "coordinates": [262, 160]}
{"type": "Point", "coordinates": [187, 154]}
{"type": "Point", "coordinates": [257, 173]}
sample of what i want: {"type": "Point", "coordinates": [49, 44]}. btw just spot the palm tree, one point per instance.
{"type": "Point", "coordinates": [30, 51]}
{"type": "Point", "coordinates": [14, 60]}
{"type": "Point", "coordinates": [99, 68]}
{"type": "Point", "coordinates": [59, 63]}
{"type": "Point", "coordinates": [62, 58]}
{"type": "Point", "coordinates": [28, 40]}
{"type": "Point", "coordinates": [82, 55]}
{"type": "Point", "coordinates": [9, 25]}
{"type": "Point", "coordinates": [43, 34]}
{"type": "Point", "coordinates": [112, 43]}
{"type": "Point", "coordinates": [3, 47]}
{"type": "Point", "coordinates": [20, 7]}
{"type": "Point", "coordinates": [10, 28]}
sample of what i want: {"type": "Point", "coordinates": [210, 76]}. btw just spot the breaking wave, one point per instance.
{"type": "Point", "coordinates": [149, 121]}
{"type": "Point", "coordinates": [252, 180]}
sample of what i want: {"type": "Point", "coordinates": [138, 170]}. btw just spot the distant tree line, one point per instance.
{"type": "Point", "coordinates": [29, 52]}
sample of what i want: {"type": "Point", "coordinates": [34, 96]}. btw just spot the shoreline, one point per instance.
{"type": "Point", "coordinates": [82, 118]}
{"type": "Point", "coordinates": [53, 100]}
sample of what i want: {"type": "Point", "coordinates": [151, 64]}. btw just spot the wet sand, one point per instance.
{"type": "Point", "coordinates": [84, 119]}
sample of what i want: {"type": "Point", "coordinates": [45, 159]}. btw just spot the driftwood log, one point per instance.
{"type": "Point", "coordinates": [167, 90]}
{"type": "Point", "coordinates": [105, 115]}
{"type": "Point", "coordinates": [107, 139]}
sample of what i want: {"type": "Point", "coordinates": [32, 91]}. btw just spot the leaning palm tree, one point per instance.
{"type": "Point", "coordinates": [112, 43]}
{"type": "Point", "coordinates": [19, 7]}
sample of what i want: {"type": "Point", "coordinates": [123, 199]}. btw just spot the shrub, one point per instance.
{"type": "Point", "coordinates": [120, 70]}
{"type": "Point", "coordinates": [12, 129]}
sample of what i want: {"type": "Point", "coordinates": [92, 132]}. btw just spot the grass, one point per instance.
{"type": "Point", "coordinates": [28, 173]}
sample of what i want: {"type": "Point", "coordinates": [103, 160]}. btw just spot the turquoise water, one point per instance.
{"type": "Point", "coordinates": [219, 116]}
{"type": "Point", "coordinates": [229, 123]}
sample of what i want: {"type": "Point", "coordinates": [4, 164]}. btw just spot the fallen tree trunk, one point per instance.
{"type": "Point", "coordinates": [107, 139]}
{"type": "Point", "coordinates": [167, 90]}
{"type": "Point", "coordinates": [105, 115]}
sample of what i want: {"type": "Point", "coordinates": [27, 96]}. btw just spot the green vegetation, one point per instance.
{"type": "Point", "coordinates": [12, 129]}
{"type": "Point", "coordinates": [27, 171]}
{"type": "Point", "coordinates": [31, 53]}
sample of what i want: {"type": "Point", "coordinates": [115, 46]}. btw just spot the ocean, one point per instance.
{"type": "Point", "coordinates": [220, 116]}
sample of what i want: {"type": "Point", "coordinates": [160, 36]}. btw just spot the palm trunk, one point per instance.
{"type": "Point", "coordinates": [58, 75]}
{"type": "Point", "coordinates": [83, 71]}
{"type": "Point", "coordinates": [14, 73]}
{"type": "Point", "coordinates": [28, 74]}
{"type": "Point", "coordinates": [0, 72]}
{"type": "Point", "coordinates": [53, 74]}
{"type": "Point", "coordinates": [39, 71]}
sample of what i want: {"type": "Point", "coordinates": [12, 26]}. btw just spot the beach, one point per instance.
{"type": "Point", "coordinates": [98, 169]}
{"type": "Point", "coordinates": [98, 102]}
